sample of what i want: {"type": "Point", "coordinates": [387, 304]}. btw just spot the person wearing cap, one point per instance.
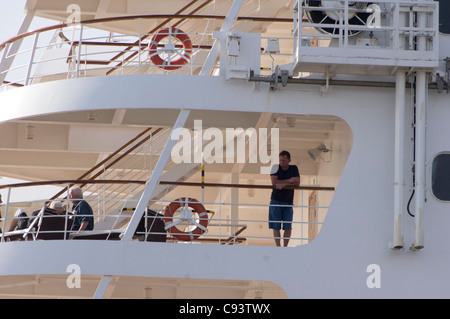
{"type": "Point", "coordinates": [20, 220]}
{"type": "Point", "coordinates": [57, 207]}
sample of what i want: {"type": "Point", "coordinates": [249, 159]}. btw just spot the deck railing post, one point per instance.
{"type": "Point", "coordinates": [139, 47]}
{"type": "Point", "coordinates": [67, 212]}
{"type": "Point", "coordinates": [220, 214]}
{"type": "Point", "coordinates": [30, 62]}
{"type": "Point", "coordinates": [6, 213]}
{"type": "Point", "coordinates": [79, 51]}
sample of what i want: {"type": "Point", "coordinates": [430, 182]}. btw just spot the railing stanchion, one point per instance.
{"type": "Point", "coordinates": [67, 212]}
{"type": "Point", "coordinates": [6, 214]}
{"type": "Point", "coordinates": [139, 48]}
{"type": "Point", "coordinates": [80, 43]}
{"type": "Point", "coordinates": [30, 62]}
{"type": "Point", "coordinates": [220, 214]}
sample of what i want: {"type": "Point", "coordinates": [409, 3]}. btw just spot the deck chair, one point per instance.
{"type": "Point", "coordinates": [151, 221]}
{"type": "Point", "coordinates": [151, 227]}
{"type": "Point", "coordinates": [44, 225]}
{"type": "Point", "coordinates": [52, 226]}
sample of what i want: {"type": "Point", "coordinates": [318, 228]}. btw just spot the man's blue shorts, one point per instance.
{"type": "Point", "coordinates": [279, 215]}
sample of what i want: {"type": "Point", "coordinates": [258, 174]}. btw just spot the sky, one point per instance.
{"type": "Point", "coordinates": [11, 17]}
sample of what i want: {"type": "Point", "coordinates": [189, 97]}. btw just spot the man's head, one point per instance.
{"type": "Point", "coordinates": [284, 159]}
{"type": "Point", "coordinates": [75, 193]}
{"type": "Point", "coordinates": [57, 206]}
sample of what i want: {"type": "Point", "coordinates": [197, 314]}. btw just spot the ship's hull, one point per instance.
{"type": "Point", "coordinates": [359, 225]}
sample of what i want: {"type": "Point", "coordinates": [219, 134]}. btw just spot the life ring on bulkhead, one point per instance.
{"type": "Point", "coordinates": [186, 202]}
{"type": "Point", "coordinates": [168, 64]}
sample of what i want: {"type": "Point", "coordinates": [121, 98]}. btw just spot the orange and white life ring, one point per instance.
{"type": "Point", "coordinates": [168, 64]}
{"type": "Point", "coordinates": [201, 222]}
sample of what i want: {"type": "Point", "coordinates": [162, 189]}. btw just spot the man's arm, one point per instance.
{"type": "Point", "coordinates": [83, 226]}
{"type": "Point", "coordinates": [279, 184]}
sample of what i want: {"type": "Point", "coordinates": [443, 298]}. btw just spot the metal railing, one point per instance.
{"type": "Point", "coordinates": [227, 221]}
{"type": "Point", "coordinates": [42, 219]}
{"type": "Point", "coordinates": [71, 51]}
{"type": "Point", "coordinates": [382, 33]}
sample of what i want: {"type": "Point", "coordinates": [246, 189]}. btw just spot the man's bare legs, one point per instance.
{"type": "Point", "coordinates": [286, 237]}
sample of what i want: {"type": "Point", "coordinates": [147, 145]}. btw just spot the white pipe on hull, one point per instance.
{"type": "Point", "coordinates": [420, 158]}
{"type": "Point", "coordinates": [399, 158]}
{"type": "Point", "coordinates": [420, 164]}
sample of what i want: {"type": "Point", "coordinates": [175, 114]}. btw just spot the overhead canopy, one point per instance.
{"type": "Point", "coordinates": [98, 9]}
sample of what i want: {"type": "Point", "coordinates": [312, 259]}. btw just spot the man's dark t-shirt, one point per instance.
{"type": "Point", "coordinates": [285, 195]}
{"type": "Point", "coordinates": [83, 213]}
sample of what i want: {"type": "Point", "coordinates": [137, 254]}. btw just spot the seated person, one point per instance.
{"type": "Point", "coordinates": [84, 217]}
{"type": "Point", "coordinates": [57, 207]}
{"type": "Point", "coordinates": [54, 208]}
{"type": "Point", "coordinates": [20, 220]}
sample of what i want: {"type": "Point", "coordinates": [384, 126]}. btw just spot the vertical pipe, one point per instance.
{"type": "Point", "coordinates": [421, 87]}
{"type": "Point", "coordinates": [399, 157]}
{"type": "Point", "coordinates": [420, 165]}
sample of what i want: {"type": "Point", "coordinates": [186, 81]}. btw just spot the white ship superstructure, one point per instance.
{"type": "Point", "coordinates": [154, 104]}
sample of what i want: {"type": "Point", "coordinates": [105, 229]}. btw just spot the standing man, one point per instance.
{"type": "Point", "coordinates": [280, 210]}
{"type": "Point", "coordinates": [84, 217]}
